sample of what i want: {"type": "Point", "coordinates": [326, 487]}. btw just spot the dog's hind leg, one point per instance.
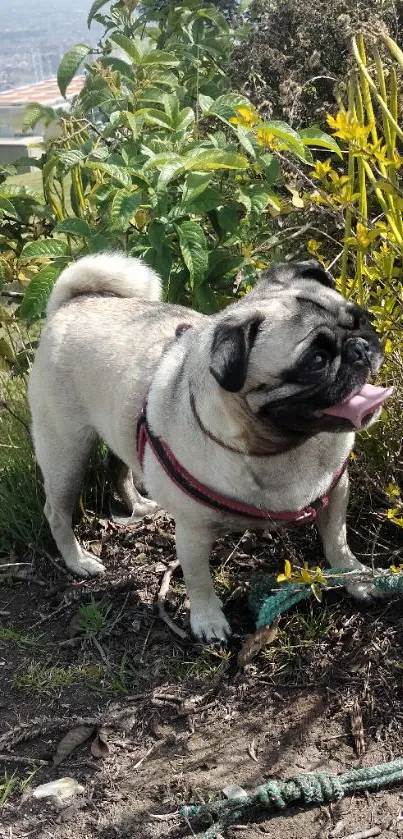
{"type": "Point", "coordinates": [331, 523]}
{"type": "Point", "coordinates": [126, 484]}
{"type": "Point", "coordinates": [63, 462]}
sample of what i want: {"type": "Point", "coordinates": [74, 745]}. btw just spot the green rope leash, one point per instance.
{"type": "Point", "coordinates": [268, 607]}
{"type": "Point", "coordinates": [306, 790]}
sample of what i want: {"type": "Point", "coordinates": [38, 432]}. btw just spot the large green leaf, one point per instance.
{"type": "Point", "coordinates": [195, 184]}
{"type": "Point", "coordinates": [70, 64]}
{"type": "Point", "coordinates": [204, 202]}
{"type": "Point", "coordinates": [131, 46]}
{"type": "Point", "coordinates": [185, 118]}
{"type": "Point", "coordinates": [316, 137]}
{"type": "Point", "coordinates": [193, 247]}
{"type": "Point", "coordinates": [157, 161]}
{"type": "Point", "coordinates": [222, 266]}
{"type": "Point", "coordinates": [214, 15]}
{"type": "Point", "coordinates": [270, 167]}
{"type": "Point", "coordinates": [124, 206]}
{"type": "Point", "coordinates": [155, 117]}
{"type": "Point", "coordinates": [96, 6]}
{"type": "Point", "coordinates": [44, 249]}
{"type": "Point", "coordinates": [71, 158]}
{"type": "Point", "coordinates": [157, 57]}
{"type": "Point", "coordinates": [33, 114]}
{"type": "Point", "coordinates": [289, 139]}
{"type": "Point", "coordinates": [38, 292]}
{"type": "Point", "coordinates": [2, 271]}
{"type": "Point", "coordinates": [225, 106]}
{"type": "Point", "coordinates": [74, 226]}
{"type": "Point", "coordinates": [206, 160]}
{"type": "Point", "coordinates": [6, 206]}
{"type": "Point", "coordinates": [118, 173]}
{"type": "Point", "coordinates": [24, 193]}
{"type": "Point", "coordinates": [156, 234]}
{"type": "Point", "coordinates": [255, 198]}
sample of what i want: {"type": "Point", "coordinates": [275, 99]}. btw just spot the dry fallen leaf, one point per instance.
{"type": "Point", "coordinates": [251, 647]}
{"type": "Point", "coordinates": [357, 728]}
{"type": "Point", "coordinates": [99, 746]}
{"type": "Point", "coordinates": [75, 737]}
{"type": "Point", "coordinates": [251, 749]}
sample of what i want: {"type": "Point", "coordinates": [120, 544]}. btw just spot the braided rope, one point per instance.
{"type": "Point", "coordinates": [268, 607]}
{"type": "Point", "coordinates": [305, 790]}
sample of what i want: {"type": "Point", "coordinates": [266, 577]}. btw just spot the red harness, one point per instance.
{"type": "Point", "coordinates": [206, 496]}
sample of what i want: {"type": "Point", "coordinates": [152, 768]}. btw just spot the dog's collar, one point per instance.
{"type": "Point", "coordinates": [217, 440]}
{"type": "Point", "coordinates": [206, 496]}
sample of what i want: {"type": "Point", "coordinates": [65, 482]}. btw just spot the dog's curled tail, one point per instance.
{"type": "Point", "coordinates": [106, 273]}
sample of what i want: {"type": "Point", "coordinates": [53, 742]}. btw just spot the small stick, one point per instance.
{"type": "Point", "coordinates": [150, 751]}
{"type": "Point", "coordinates": [7, 758]}
{"type": "Point", "coordinates": [12, 564]}
{"type": "Point", "coordinates": [180, 633]}
{"type": "Point", "coordinates": [364, 834]}
{"type": "Point", "coordinates": [102, 653]}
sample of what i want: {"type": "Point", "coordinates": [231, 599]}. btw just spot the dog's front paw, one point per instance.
{"type": "Point", "coordinates": [86, 566]}
{"type": "Point", "coordinates": [366, 593]}
{"type": "Point", "coordinates": [209, 623]}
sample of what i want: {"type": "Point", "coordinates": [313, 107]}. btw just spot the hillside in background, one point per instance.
{"type": "Point", "coordinates": [34, 35]}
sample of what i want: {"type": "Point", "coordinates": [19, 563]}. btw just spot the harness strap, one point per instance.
{"type": "Point", "coordinates": [204, 495]}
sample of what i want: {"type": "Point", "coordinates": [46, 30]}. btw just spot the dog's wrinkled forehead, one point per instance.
{"type": "Point", "coordinates": [288, 273]}
{"type": "Point", "coordinates": [305, 289]}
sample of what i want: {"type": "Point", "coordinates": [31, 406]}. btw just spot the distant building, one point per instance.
{"type": "Point", "coordinates": [14, 102]}
{"type": "Point", "coordinates": [14, 143]}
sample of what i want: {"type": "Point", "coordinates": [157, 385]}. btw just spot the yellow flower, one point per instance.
{"type": "Point", "coordinates": [392, 490]}
{"type": "Point", "coordinates": [286, 577]}
{"type": "Point", "coordinates": [396, 569]}
{"type": "Point", "coordinates": [305, 575]}
{"type": "Point", "coordinates": [393, 515]}
{"type": "Point", "coordinates": [247, 116]}
{"type": "Point", "coordinates": [321, 170]}
{"type": "Point", "coordinates": [347, 127]}
{"type": "Point", "coordinates": [266, 138]}
{"type": "Point", "coordinates": [363, 236]}
{"type": "Point", "coordinates": [388, 346]}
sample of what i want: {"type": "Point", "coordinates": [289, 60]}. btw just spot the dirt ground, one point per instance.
{"type": "Point", "coordinates": [181, 722]}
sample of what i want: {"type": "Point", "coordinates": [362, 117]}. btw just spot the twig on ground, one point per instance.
{"type": "Point", "coordinates": [180, 633]}
{"type": "Point", "coordinates": [150, 751]}
{"type": "Point", "coordinates": [365, 834]}
{"type": "Point", "coordinates": [357, 728]}
{"type": "Point", "coordinates": [102, 653]}
{"type": "Point", "coordinates": [8, 758]}
{"type": "Point", "coordinates": [4, 565]}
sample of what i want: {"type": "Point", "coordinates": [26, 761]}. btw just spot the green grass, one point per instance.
{"type": "Point", "coordinates": [11, 784]}
{"type": "Point", "coordinates": [22, 524]}
{"type": "Point", "coordinates": [31, 179]}
{"type": "Point", "coordinates": [98, 619]}
{"type": "Point", "coordinates": [34, 181]}
{"type": "Point", "coordinates": [49, 678]}
{"type": "Point", "coordinates": [8, 785]}
{"type": "Point", "coordinates": [302, 631]}
{"type": "Point", "coordinates": [14, 636]}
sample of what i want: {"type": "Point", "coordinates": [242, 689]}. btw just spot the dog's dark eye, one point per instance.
{"type": "Point", "coordinates": [317, 361]}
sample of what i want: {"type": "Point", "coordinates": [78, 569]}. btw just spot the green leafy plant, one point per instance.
{"type": "Point", "coordinates": [161, 158]}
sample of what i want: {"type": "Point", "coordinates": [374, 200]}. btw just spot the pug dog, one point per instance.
{"type": "Point", "coordinates": [242, 419]}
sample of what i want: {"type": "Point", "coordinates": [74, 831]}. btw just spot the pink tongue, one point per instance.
{"type": "Point", "coordinates": [365, 402]}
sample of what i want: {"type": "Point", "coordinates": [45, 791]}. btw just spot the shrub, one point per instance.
{"type": "Point", "coordinates": [160, 157]}
{"type": "Point", "coordinates": [297, 54]}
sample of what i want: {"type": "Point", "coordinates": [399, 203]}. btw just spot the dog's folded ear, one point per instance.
{"type": "Point", "coordinates": [230, 349]}
{"type": "Point", "coordinates": [311, 269]}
